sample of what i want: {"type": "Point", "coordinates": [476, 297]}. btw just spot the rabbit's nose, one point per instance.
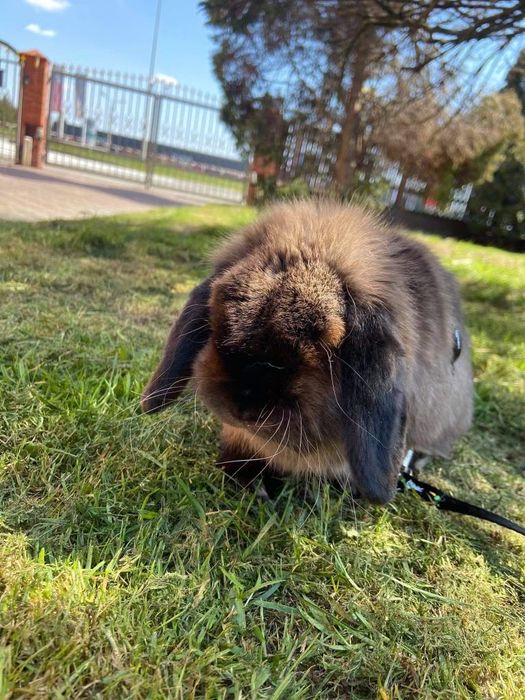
{"type": "Point", "coordinates": [249, 414]}
{"type": "Point", "coordinates": [248, 407]}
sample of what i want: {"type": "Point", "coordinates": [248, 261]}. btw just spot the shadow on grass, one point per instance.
{"type": "Point", "coordinates": [126, 241]}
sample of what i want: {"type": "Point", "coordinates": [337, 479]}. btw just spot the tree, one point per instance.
{"type": "Point", "coordinates": [301, 53]}
{"type": "Point", "coordinates": [435, 144]}
{"type": "Point", "coordinates": [516, 79]}
{"type": "Point", "coordinates": [259, 122]}
{"type": "Point", "coordinates": [483, 137]}
{"type": "Point", "coordinates": [445, 24]}
{"type": "Point", "coordinates": [498, 203]}
{"type": "Point", "coordinates": [319, 57]}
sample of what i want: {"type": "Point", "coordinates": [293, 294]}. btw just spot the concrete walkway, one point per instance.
{"type": "Point", "coordinates": [28, 194]}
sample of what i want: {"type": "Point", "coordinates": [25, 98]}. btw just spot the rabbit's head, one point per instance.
{"type": "Point", "coordinates": [289, 341]}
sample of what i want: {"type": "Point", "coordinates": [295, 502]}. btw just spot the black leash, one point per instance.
{"type": "Point", "coordinates": [408, 482]}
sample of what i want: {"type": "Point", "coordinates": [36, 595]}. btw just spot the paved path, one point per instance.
{"type": "Point", "coordinates": [28, 194]}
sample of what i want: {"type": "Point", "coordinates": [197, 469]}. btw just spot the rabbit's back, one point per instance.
{"type": "Point", "coordinates": [439, 388]}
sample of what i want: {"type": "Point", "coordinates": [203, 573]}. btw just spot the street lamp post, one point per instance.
{"type": "Point", "coordinates": [151, 79]}
{"type": "Point", "coordinates": [153, 57]}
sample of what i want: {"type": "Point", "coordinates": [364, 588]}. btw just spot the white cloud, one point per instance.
{"type": "Point", "coordinates": [37, 29]}
{"type": "Point", "coordinates": [165, 79]}
{"type": "Point", "coordinates": [50, 5]}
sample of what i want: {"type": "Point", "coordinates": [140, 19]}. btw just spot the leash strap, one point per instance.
{"type": "Point", "coordinates": [408, 482]}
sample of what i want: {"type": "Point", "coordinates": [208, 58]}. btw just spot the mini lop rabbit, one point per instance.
{"type": "Point", "coordinates": [327, 344]}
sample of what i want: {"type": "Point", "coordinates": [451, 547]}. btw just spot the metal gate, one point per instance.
{"type": "Point", "coordinates": [153, 132]}
{"type": "Point", "coordinates": [9, 102]}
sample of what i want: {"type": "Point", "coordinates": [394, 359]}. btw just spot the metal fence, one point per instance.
{"type": "Point", "coordinates": [9, 94]}
{"type": "Point", "coordinates": [157, 133]}
{"type": "Point", "coordinates": [309, 156]}
{"type": "Point", "coordinates": [306, 156]}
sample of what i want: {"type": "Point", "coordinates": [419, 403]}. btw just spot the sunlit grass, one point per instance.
{"type": "Point", "coordinates": [130, 569]}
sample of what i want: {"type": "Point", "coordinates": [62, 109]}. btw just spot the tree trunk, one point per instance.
{"type": "Point", "coordinates": [342, 163]}
{"type": "Point", "coordinates": [401, 192]}
{"type": "Point", "coordinates": [346, 158]}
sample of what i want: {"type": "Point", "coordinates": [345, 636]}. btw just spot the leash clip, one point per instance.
{"type": "Point", "coordinates": [407, 481]}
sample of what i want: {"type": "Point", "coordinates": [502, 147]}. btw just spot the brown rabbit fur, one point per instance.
{"type": "Point", "coordinates": [323, 341]}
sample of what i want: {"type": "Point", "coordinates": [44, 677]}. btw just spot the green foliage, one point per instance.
{"type": "Point", "coordinates": [7, 111]}
{"type": "Point", "coordinates": [371, 192]}
{"type": "Point", "coordinates": [254, 115]}
{"type": "Point", "coordinates": [499, 204]}
{"type": "Point", "coordinates": [498, 201]}
{"type": "Point", "coordinates": [130, 569]}
{"type": "Point", "coordinates": [516, 79]}
{"type": "Point", "coordinates": [271, 190]}
{"type": "Point", "coordinates": [256, 123]}
{"type": "Point", "coordinates": [498, 126]}
{"type": "Point", "coordinates": [295, 189]}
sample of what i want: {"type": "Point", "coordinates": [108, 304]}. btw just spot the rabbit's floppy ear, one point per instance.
{"type": "Point", "coordinates": [188, 335]}
{"type": "Point", "coordinates": [373, 405]}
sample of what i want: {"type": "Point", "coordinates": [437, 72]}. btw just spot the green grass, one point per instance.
{"type": "Point", "coordinates": [137, 164]}
{"type": "Point", "coordinates": [129, 569]}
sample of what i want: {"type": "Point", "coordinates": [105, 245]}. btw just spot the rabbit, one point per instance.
{"type": "Point", "coordinates": [327, 344]}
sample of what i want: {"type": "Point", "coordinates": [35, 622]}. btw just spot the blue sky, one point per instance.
{"type": "Point", "coordinates": [115, 34]}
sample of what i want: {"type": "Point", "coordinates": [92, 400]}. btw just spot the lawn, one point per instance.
{"type": "Point", "coordinates": [129, 569]}
{"type": "Point", "coordinates": [122, 161]}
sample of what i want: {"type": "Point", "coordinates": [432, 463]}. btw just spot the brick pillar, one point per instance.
{"type": "Point", "coordinates": [35, 104]}
{"type": "Point", "coordinates": [261, 167]}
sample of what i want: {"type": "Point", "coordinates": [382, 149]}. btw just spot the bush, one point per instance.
{"type": "Point", "coordinates": [498, 206]}
{"type": "Point", "coordinates": [7, 111]}
{"type": "Point", "coordinates": [271, 190]}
